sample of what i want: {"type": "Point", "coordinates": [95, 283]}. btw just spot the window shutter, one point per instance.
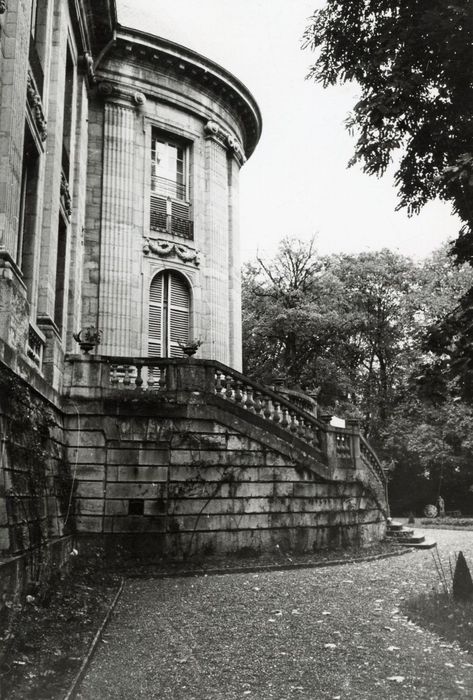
{"type": "Point", "coordinates": [155, 330]}
{"type": "Point", "coordinates": [158, 211]}
{"type": "Point", "coordinates": [169, 315]}
{"type": "Point", "coordinates": [179, 308]}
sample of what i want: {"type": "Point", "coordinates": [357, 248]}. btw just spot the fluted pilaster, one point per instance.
{"type": "Point", "coordinates": [119, 254]}
{"type": "Point", "coordinates": [234, 274]}
{"type": "Point", "coordinates": [217, 254]}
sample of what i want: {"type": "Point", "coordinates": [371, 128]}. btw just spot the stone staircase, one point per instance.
{"type": "Point", "coordinates": [406, 536]}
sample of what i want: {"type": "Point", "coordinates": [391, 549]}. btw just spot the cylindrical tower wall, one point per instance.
{"type": "Point", "coordinates": [175, 133]}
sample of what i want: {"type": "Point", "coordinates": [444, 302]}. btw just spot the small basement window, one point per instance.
{"type": "Point", "coordinates": [136, 506]}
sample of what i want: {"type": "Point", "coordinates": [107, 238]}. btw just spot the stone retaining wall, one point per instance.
{"type": "Point", "coordinates": [187, 478]}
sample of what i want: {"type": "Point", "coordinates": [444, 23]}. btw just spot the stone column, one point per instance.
{"type": "Point", "coordinates": [217, 251]}
{"type": "Point", "coordinates": [120, 255]}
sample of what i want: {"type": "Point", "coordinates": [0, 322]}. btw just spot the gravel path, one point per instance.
{"type": "Point", "coordinates": [334, 632]}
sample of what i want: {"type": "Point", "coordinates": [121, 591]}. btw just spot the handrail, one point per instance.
{"type": "Point", "coordinates": [369, 457]}
{"type": "Point", "coordinates": [341, 448]}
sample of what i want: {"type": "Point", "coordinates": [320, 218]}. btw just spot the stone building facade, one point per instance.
{"type": "Point", "coordinates": [120, 156]}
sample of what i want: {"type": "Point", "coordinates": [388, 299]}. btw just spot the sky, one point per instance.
{"type": "Point", "coordinates": [297, 182]}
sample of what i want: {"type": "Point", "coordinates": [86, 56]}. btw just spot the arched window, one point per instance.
{"type": "Point", "coordinates": [169, 315]}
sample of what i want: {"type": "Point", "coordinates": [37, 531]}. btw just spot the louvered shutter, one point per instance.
{"type": "Point", "coordinates": [179, 308]}
{"type": "Point", "coordinates": [155, 328]}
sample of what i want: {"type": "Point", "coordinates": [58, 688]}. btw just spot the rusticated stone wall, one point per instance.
{"type": "Point", "coordinates": [185, 479]}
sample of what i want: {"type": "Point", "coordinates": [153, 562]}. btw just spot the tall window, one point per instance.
{"type": "Point", "coordinates": [60, 274]}
{"type": "Point", "coordinates": [170, 206]}
{"type": "Point", "coordinates": [169, 315]}
{"type": "Point", "coordinates": [28, 203]}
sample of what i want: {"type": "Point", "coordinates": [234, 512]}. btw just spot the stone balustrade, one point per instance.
{"type": "Point", "coordinates": [103, 376]}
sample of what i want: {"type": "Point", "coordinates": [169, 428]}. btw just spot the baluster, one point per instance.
{"type": "Point", "coordinates": [293, 426]}
{"type": "Point", "coordinates": [249, 403]}
{"type": "Point", "coordinates": [267, 410]}
{"type": "Point", "coordinates": [218, 382]}
{"type": "Point", "coordinates": [126, 376]}
{"type": "Point", "coordinates": [316, 438]}
{"type": "Point", "coordinates": [308, 430]}
{"type": "Point", "coordinates": [229, 387]}
{"type": "Point", "coordinates": [301, 428]}
{"type": "Point", "coordinates": [113, 375]}
{"type": "Point", "coordinates": [258, 404]}
{"type": "Point", "coordinates": [284, 420]}
{"type": "Point", "coordinates": [139, 378]}
{"type": "Point", "coordinates": [151, 372]}
{"type": "Point", "coordinates": [162, 378]}
{"type": "Point", "coordinates": [238, 397]}
{"type": "Point", "coordinates": [276, 414]}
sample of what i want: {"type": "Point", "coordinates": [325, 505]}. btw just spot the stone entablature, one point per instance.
{"type": "Point", "coordinates": [159, 55]}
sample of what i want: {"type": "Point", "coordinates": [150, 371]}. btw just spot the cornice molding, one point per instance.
{"type": "Point", "coordinates": [165, 249]}
{"type": "Point", "coordinates": [164, 56]}
{"type": "Point", "coordinates": [214, 131]}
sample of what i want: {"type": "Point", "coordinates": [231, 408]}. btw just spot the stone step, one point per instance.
{"type": "Point", "coordinates": [394, 525]}
{"type": "Point", "coordinates": [425, 544]}
{"type": "Point", "coordinates": [404, 532]}
{"type": "Point", "coordinates": [411, 539]}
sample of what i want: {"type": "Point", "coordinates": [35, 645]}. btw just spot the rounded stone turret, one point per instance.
{"type": "Point", "coordinates": [168, 133]}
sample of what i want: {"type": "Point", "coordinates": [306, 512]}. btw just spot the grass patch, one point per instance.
{"type": "Point", "coordinates": [439, 523]}
{"type": "Point", "coordinates": [439, 613]}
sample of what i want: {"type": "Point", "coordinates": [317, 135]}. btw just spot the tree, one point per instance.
{"type": "Point", "coordinates": [413, 63]}
{"type": "Point", "coordinates": [354, 326]}
{"type": "Point", "coordinates": [341, 323]}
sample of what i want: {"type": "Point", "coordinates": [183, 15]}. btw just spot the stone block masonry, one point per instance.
{"type": "Point", "coordinates": [196, 484]}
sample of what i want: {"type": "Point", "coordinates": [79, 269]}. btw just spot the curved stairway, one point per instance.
{"type": "Point", "coordinates": [406, 536]}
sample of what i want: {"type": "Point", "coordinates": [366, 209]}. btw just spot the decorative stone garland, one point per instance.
{"type": "Point", "coordinates": [166, 248]}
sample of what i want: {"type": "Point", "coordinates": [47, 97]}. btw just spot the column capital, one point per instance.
{"type": "Point", "coordinates": [112, 91]}
{"type": "Point", "coordinates": [214, 131]}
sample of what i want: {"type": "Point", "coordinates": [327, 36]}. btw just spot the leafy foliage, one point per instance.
{"type": "Point", "coordinates": [412, 61]}
{"type": "Point", "coordinates": [353, 328]}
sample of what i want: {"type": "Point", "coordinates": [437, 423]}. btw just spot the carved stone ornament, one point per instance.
{"type": "Point", "coordinates": [66, 195]}
{"type": "Point", "coordinates": [89, 66]}
{"type": "Point", "coordinates": [3, 6]}
{"type": "Point", "coordinates": [34, 101]}
{"type": "Point", "coordinates": [166, 248]}
{"type": "Point", "coordinates": [214, 130]}
{"type": "Point", "coordinates": [88, 338]}
{"type": "Point", "coordinates": [108, 90]}
{"type": "Point", "coordinates": [139, 98]}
